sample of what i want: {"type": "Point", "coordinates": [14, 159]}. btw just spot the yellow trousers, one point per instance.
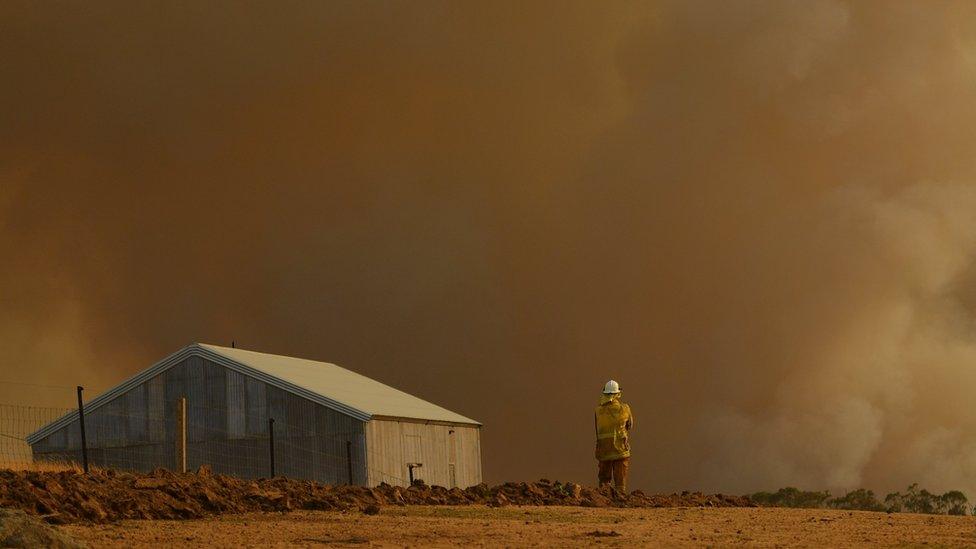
{"type": "Point", "coordinates": [614, 470]}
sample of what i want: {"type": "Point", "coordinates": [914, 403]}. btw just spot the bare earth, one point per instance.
{"type": "Point", "coordinates": [425, 526]}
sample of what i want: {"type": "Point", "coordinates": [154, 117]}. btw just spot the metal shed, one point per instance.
{"type": "Point", "coordinates": [330, 424]}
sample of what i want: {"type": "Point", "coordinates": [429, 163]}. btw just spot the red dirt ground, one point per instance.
{"type": "Point", "coordinates": [113, 509]}
{"type": "Point", "coordinates": [528, 526]}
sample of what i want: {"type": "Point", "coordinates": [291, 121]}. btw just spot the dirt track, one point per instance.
{"type": "Point", "coordinates": [541, 526]}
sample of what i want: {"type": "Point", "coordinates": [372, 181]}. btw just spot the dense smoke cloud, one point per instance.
{"type": "Point", "coordinates": [758, 216]}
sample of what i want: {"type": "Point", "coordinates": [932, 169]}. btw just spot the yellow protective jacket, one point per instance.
{"type": "Point", "coordinates": [613, 421]}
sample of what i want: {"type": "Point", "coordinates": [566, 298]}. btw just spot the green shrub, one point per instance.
{"type": "Point", "coordinates": [790, 497]}
{"type": "Point", "coordinates": [914, 500]}
{"type": "Point", "coordinates": [860, 500]}
{"type": "Point", "coordinates": [953, 503]}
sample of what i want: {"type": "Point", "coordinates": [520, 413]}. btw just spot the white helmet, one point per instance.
{"type": "Point", "coordinates": [611, 388]}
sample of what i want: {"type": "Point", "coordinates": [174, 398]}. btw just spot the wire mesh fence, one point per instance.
{"type": "Point", "coordinates": [16, 422]}
{"type": "Point", "coordinates": [302, 442]}
{"type": "Point", "coordinates": [197, 412]}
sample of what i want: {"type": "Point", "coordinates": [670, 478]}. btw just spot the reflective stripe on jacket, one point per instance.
{"type": "Point", "coordinates": [613, 420]}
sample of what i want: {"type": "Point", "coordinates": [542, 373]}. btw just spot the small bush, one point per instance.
{"type": "Point", "coordinates": [954, 503]}
{"type": "Point", "coordinates": [859, 500]}
{"type": "Point", "coordinates": [790, 497]}
{"type": "Point", "coordinates": [914, 500]}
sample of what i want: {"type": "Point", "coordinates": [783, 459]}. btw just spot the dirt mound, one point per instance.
{"type": "Point", "coordinates": [103, 496]}
{"type": "Point", "coordinates": [18, 529]}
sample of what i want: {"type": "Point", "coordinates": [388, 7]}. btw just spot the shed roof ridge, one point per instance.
{"type": "Point", "coordinates": [213, 347]}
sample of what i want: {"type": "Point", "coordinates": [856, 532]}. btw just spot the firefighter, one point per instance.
{"type": "Point", "coordinates": [613, 424]}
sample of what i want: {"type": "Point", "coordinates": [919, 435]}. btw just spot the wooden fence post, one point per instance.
{"type": "Point", "coordinates": [271, 444]}
{"type": "Point", "coordinates": [181, 435]}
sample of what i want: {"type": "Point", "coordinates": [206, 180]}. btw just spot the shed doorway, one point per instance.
{"type": "Point", "coordinates": [413, 453]}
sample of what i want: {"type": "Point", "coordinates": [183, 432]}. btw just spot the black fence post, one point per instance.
{"type": "Point", "coordinates": [349, 459]}
{"type": "Point", "coordinates": [271, 444]}
{"type": "Point", "coordinates": [81, 422]}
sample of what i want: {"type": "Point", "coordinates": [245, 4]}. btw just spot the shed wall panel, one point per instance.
{"type": "Point", "coordinates": [392, 444]}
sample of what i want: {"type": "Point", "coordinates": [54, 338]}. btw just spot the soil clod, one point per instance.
{"type": "Point", "coordinates": [602, 534]}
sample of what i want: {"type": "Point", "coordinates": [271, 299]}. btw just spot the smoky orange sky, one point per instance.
{"type": "Point", "coordinates": [759, 217]}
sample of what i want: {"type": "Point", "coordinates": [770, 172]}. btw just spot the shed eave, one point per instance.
{"type": "Point", "coordinates": [109, 395]}
{"type": "Point", "coordinates": [467, 423]}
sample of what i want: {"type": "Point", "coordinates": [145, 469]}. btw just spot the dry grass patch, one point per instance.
{"type": "Point", "coordinates": [43, 465]}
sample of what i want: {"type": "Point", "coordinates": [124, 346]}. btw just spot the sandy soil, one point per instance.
{"type": "Point", "coordinates": [541, 526]}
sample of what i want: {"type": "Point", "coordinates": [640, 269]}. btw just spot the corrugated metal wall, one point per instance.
{"type": "Point", "coordinates": [227, 428]}
{"type": "Point", "coordinates": [451, 454]}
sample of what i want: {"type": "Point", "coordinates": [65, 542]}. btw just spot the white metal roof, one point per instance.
{"type": "Point", "coordinates": [327, 384]}
{"type": "Point", "coordinates": [341, 385]}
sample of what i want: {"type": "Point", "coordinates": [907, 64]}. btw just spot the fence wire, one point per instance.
{"type": "Point", "coordinates": [16, 422]}
{"type": "Point", "coordinates": [216, 437]}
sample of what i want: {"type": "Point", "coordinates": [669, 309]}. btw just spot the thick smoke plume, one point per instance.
{"type": "Point", "coordinates": [757, 216]}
